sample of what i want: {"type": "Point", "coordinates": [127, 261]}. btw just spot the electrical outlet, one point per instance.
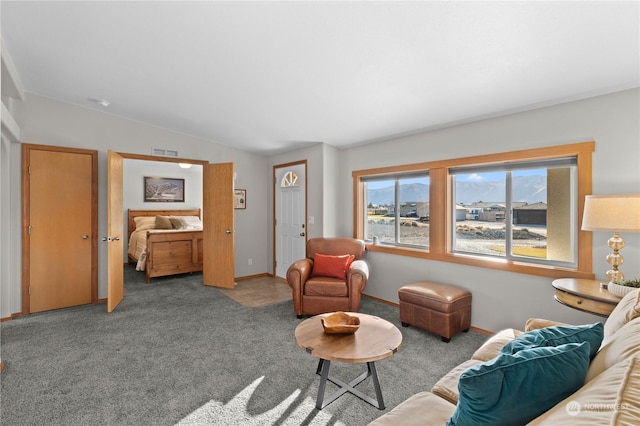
{"type": "Point", "coordinates": [250, 262]}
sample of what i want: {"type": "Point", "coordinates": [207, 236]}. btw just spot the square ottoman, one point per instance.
{"type": "Point", "coordinates": [442, 309]}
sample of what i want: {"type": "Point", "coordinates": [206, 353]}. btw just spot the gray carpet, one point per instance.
{"type": "Point", "coordinates": [176, 352]}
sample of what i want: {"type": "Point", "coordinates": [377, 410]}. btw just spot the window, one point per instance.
{"type": "Point", "coordinates": [516, 211]}
{"type": "Point", "coordinates": [397, 210]}
{"type": "Point", "coordinates": [520, 211]}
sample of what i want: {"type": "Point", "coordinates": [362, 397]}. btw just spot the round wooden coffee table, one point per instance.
{"type": "Point", "coordinates": [376, 339]}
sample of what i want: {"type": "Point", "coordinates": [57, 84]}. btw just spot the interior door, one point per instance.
{"type": "Point", "coordinates": [218, 225]}
{"type": "Point", "coordinates": [290, 213]}
{"type": "Point", "coordinates": [60, 227]}
{"type": "Point", "coordinates": [114, 239]}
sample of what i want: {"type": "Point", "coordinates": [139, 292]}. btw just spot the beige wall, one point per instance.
{"type": "Point", "coordinates": [503, 299]}
{"type": "Point", "coordinates": [49, 122]}
{"type": "Point", "coordinates": [611, 120]}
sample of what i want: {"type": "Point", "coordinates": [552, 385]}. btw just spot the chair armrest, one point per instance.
{"type": "Point", "coordinates": [299, 272]}
{"type": "Point", "coordinates": [537, 323]}
{"type": "Point", "coordinates": [357, 277]}
{"type": "Point", "coordinates": [359, 267]}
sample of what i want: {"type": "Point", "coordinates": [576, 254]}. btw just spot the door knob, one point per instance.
{"type": "Point", "coordinates": [228, 231]}
{"type": "Point", "coordinates": [302, 234]}
{"type": "Point", "coordinates": [85, 236]}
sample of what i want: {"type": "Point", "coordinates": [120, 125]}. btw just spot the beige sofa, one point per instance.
{"type": "Point", "coordinates": [610, 394]}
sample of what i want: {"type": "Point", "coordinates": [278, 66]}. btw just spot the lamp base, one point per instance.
{"type": "Point", "coordinates": [615, 259]}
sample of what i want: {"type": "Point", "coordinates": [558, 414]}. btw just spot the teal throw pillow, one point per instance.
{"type": "Point", "coordinates": [558, 335]}
{"type": "Point", "coordinates": [515, 389]}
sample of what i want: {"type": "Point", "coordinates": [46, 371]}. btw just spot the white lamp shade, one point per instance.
{"type": "Point", "coordinates": [615, 213]}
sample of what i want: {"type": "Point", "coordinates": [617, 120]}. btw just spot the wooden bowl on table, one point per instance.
{"type": "Point", "coordinates": [340, 323]}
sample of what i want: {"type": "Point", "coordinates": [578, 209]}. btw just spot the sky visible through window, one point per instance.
{"type": "Point", "coordinates": [471, 177]}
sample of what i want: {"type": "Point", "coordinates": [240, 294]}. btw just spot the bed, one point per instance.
{"type": "Point", "coordinates": [157, 248]}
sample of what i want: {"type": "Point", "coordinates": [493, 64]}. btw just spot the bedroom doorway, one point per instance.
{"type": "Point", "coordinates": [218, 268]}
{"type": "Point", "coordinates": [60, 225]}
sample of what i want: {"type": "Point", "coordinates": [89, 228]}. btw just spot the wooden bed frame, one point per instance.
{"type": "Point", "coordinates": [170, 253]}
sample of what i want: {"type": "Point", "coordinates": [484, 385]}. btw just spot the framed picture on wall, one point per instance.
{"type": "Point", "coordinates": [239, 198]}
{"type": "Point", "coordinates": [163, 190]}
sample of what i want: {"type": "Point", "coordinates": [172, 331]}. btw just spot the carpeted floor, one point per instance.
{"type": "Point", "coordinates": [176, 352]}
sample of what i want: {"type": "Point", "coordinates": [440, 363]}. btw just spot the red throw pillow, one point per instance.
{"type": "Point", "coordinates": [325, 265]}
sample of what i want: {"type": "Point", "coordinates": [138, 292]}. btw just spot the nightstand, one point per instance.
{"type": "Point", "coordinates": [585, 295]}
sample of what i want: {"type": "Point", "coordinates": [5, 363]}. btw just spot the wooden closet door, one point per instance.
{"type": "Point", "coordinates": [60, 229]}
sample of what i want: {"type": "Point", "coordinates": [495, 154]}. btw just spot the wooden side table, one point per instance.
{"type": "Point", "coordinates": [376, 339]}
{"type": "Point", "coordinates": [585, 295]}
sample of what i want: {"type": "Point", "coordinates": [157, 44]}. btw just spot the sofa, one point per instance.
{"type": "Point", "coordinates": [515, 376]}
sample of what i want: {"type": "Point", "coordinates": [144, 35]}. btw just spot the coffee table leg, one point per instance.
{"type": "Point", "coordinates": [376, 384]}
{"type": "Point", "coordinates": [323, 369]}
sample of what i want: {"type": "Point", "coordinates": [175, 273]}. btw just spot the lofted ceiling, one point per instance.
{"type": "Point", "coordinates": [269, 76]}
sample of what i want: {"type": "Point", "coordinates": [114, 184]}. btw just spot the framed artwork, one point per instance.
{"type": "Point", "coordinates": [163, 190]}
{"type": "Point", "coordinates": [239, 198]}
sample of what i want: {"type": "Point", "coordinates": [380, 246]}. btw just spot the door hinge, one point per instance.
{"type": "Point", "coordinates": [29, 228]}
{"type": "Point", "coordinates": [29, 170]}
{"type": "Point", "coordinates": [29, 290]}
{"type": "Point", "coordinates": [275, 221]}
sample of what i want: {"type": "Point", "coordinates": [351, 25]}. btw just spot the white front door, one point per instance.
{"type": "Point", "coordinates": [290, 214]}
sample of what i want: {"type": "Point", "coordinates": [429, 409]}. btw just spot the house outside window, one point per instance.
{"type": "Point", "coordinates": [520, 211]}
{"type": "Point", "coordinates": [397, 210]}
{"type": "Point", "coordinates": [517, 211]}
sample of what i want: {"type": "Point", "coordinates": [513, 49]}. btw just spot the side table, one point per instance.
{"type": "Point", "coordinates": [376, 339]}
{"type": "Point", "coordinates": [585, 295]}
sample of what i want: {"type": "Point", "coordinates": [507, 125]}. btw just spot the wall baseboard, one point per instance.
{"type": "Point", "coordinates": [250, 277]}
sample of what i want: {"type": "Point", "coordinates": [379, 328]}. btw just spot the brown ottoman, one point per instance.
{"type": "Point", "coordinates": [438, 308]}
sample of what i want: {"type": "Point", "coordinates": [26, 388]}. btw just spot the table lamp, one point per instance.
{"type": "Point", "coordinates": [613, 213]}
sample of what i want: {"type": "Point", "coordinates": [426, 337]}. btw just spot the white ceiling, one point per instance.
{"type": "Point", "coordinates": [272, 76]}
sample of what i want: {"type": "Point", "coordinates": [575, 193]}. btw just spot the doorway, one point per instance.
{"type": "Point", "coordinates": [290, 213]}
{"type": "Point", "coordinates": [217, 217]}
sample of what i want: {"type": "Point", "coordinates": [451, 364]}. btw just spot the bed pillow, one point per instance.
{"type": "Point", "coordinates": [191, 222]}
{"type": "Point", "coordinates": [556, 336]}
{"type": "Point", "coordinates": [325, 265]}
{"type": "Point", "coordinates": [176, 222]}
{"type": "Point", "coordinates": [144, 222]}
{"type": "Point", "coordinates": [515, 389]}
{"type": "Point", "coordinates": [163, 222]}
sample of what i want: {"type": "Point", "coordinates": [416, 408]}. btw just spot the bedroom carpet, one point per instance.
{"type": "Point", "coordinates": [176, 352]}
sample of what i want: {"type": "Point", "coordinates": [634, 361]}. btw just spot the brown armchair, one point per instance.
{"type": "Point", "coordinates": [313, 294]}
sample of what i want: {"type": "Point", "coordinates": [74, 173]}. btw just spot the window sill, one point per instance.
{"type": "Point", "coordinates": [483, 262]}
